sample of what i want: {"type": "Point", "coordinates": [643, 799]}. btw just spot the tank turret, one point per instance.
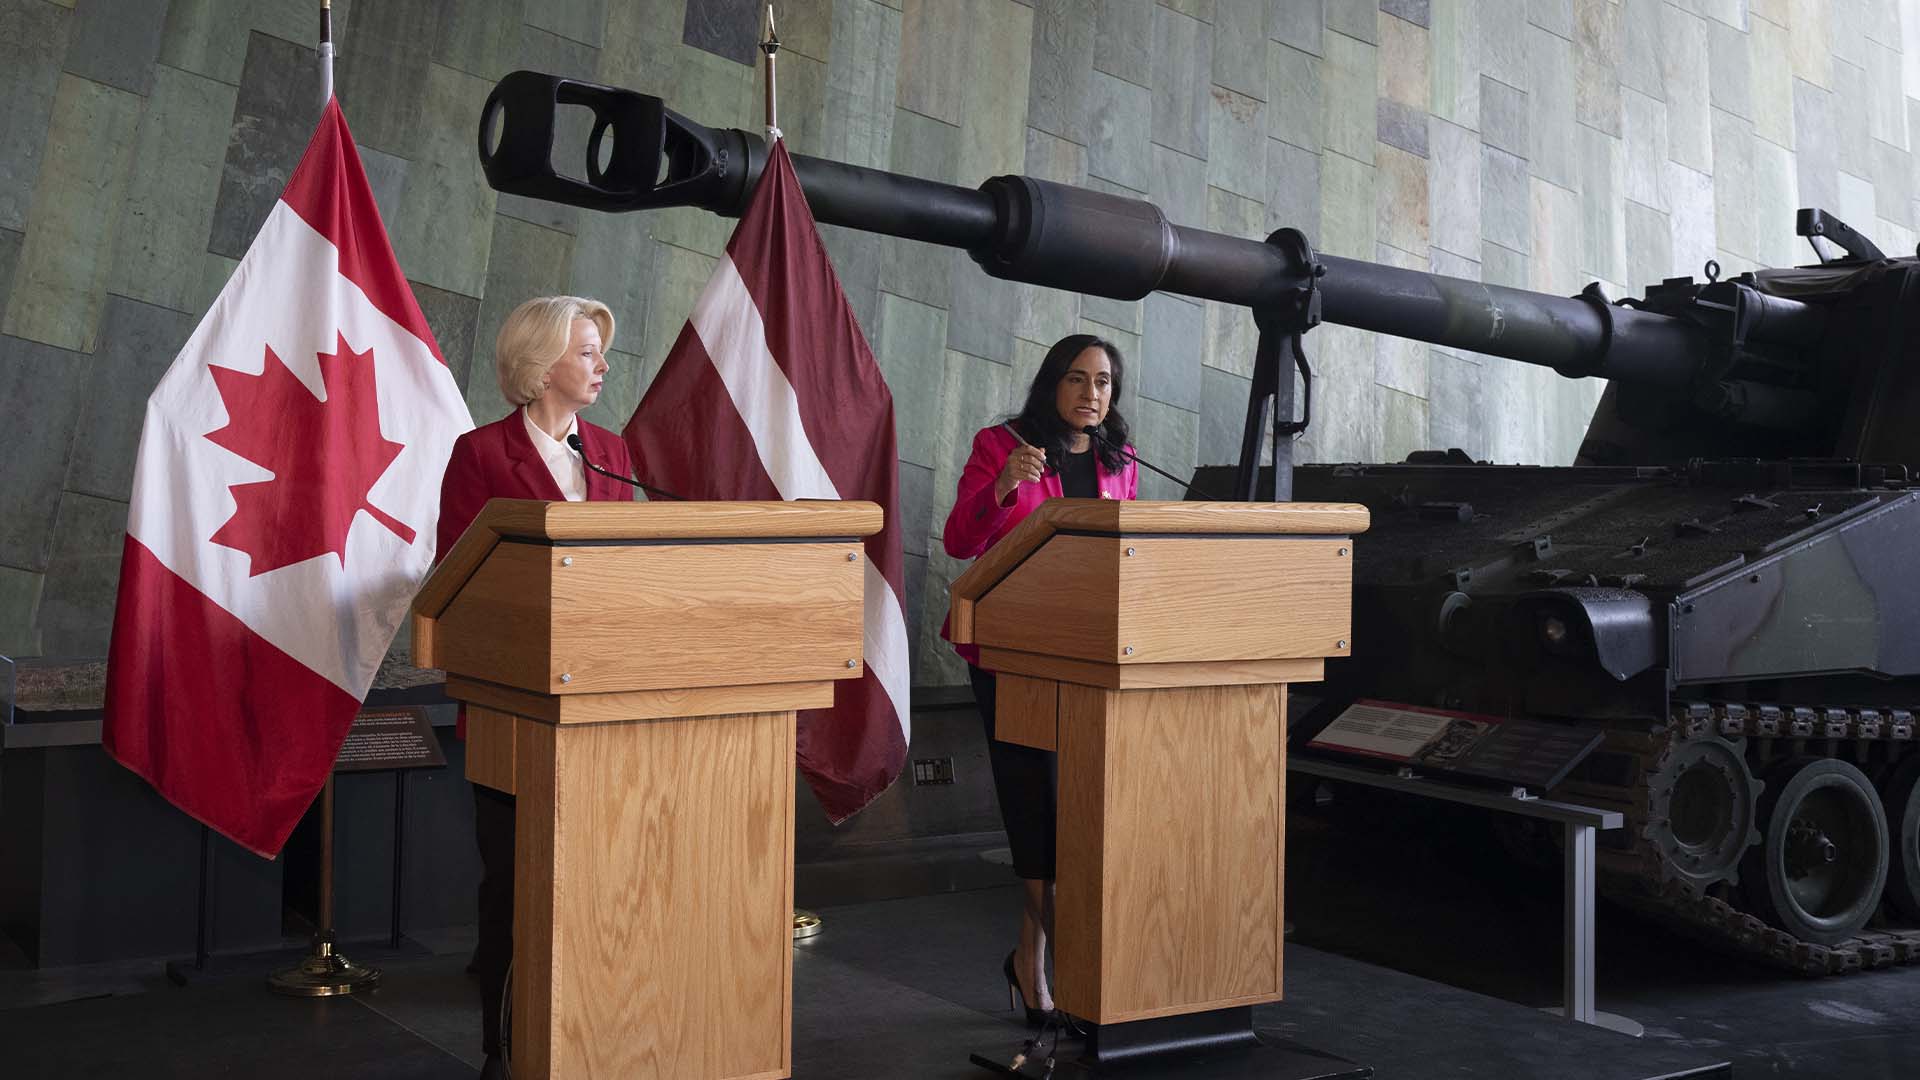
{"type": "Point", "coordinates": [1718, 585]}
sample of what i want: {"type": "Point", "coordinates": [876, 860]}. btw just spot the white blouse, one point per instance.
{"type": "Point", "coordinates": [568, 470]}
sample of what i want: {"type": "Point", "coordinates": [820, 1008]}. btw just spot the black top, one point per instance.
{"type": "Point", "coordinates": [1079, 479]}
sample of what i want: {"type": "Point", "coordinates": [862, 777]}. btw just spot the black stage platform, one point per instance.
{"type": "Point", "coordinates": [899, 988]}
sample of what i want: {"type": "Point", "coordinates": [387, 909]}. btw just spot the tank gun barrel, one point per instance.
{"type": "Point", "coordinates": [642, 155]}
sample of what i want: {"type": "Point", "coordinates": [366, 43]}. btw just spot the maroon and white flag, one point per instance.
{"type": "Point", "coordinates": [283, 511]}
{"type": "Point", "coordinates": [772, 393]}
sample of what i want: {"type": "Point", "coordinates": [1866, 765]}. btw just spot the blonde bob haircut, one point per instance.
{"type": "Point", "coordinates": [535, 336]}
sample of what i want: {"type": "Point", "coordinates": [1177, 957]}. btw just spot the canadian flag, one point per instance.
{"type": "Point", "coordinates": [771, 392]}
{"type": "Point", "coordinates": [283, 511]}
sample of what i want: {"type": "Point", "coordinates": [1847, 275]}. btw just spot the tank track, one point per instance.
{"type": "Point", "coordinates": [1651, 878]}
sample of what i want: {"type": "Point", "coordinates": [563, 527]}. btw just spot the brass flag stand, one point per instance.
{"type": "Point", "coordinates": [324, 972]}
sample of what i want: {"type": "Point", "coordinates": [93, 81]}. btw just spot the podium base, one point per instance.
{"type": "Point", "coordinates": [1217, 1045]}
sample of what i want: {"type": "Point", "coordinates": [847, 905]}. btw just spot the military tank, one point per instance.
{"type": "Point", "coordinates": [1719, 586]}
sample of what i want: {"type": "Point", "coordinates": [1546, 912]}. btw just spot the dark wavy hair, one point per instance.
{"type": "Point", "coordinates": [1039, 419]}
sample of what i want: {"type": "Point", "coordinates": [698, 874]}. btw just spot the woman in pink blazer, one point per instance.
{"type": "Point", "coordinates": [1043, 453]}
{"type": "Point", "coordinates": [550, 359]}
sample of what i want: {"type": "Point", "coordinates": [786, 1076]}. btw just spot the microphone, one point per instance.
{"type": "Point", "coordinates": [573, 440]}
{"type": "Point", "coordinates": [1094, 431]}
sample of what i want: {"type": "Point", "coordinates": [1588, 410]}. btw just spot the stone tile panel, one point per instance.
{"type": "Point", "coordinates": [1457, 405]}
{"type": "Point", "coordinates": [1503, 117]}
{"type": "Point", "coordinates": [862, 74]}
{"type": "Point", "coordinates": [1649, 247]}
{"type": "Point", "coordinates": [1403, 65]}
{"type": "Point", "coordinates": [1816, 135]}
{"type": "Point", "coordinates": [1776, 197]}
{"type": "Point", "coordinates": [1401, 200]}
{"type": "Point", "coordinates": [1453, 189]}
{"type": "Point", "coordinates": [1237, 159]}
{"type": "Point", "coordinates": [641, 49]}
{"type": "Point", "coordinates": [1893, 184]}
{"type": "Point", "coordinates": [1643, 129]}
{"type": "Point", "coordinates": [1733, 208]}
{"type": "Point", "coordinates": [1692, 217]}
{"type": "Point", "coordinates": [910, 347]}
{"type": "Point", "coordinates": [1552, 151]}
{"type": "Point", "coordinates": [1349, 90]}
{"type": "Point", "coordinates": [1553, 16]}
{"type": "Point", "coordinates": [273, 120]}
{"type": "Point", "coordinates": [138, 342]}
{"type": "Point", "coordinates": [480, 37]}
{"type": "Point", "coordinates": [922, 146]}
{"type": "Point", "coordinates": [1503, 41]}
{"type": "Point", "coordinates": [33, 38]}
{"type": "Point", "coordinates": [614, 260]}
{"type": "Point", "coordinates": [1168, 369]}
{"type": "Point", "coordinates": [454, 320]}
{"type": "Point", "coordinates": [527, 261]}
{"type": "Point", "coordinates": [585, 21]}
{"type": "Point", "coordinates": [1240, 47]}
{"type": "Point", "coordinates": [1771, 83]}
{"type": "Point", "coordinates": [1403, 127]}
{"type": "Point", "coordinates": [682, 275]}
{"type": "Point", "coordinates": [76, 602]}
{"type": "Point", "coordinates": [1231, 336]}
{"type": "Point", "coordinates": [1603, 225]}
{"type": "Point", "coordinates": [916, 509]}
{"type": "Point", "coordinates": [1294, 111]}
{"type": "Point", "coordinates": [1298, 23]}
{"type": "Point", "coordinates": [1357, 19]}
{"type": "Point", "coordinates": [10, 242]}
{"type": "Point", "coordinates": [982, 312]}
{"type": "Point", "coordinates": [1293, 189]}
{"type": "Point", "coordinates": [1810, 44]}
{"type": "Point", "coordinates": [1170, 438]}
{"type": "Point", "coordinates": [931, 71]}
{"type": "Point", "coordinates": [1179, 186]}
{"type": "Point", "coordinates": [1062, 64]}
{"type": "Point", "coordinates": [443, 233]}
{"type": "Point", "coordinates": [1222, 416]}
{"type": "Point", "coordinates": [722, 27]}
{"type": "Point", "coordinates": [1123, 40]}
{"type": "Point", "coordinates": [164, 224]}
{"type": "Point", "coordinates": [42, 389]}
{"type": "Point", "coordinates": [1683, 41]}
{"type": "Point", "coordinates": [1348, 216]}
{"type": "Point", "coordinates": [1640, 49]}
{"type": "Point", "coordinates": [1505, 210]}
{"type": "Point", "coordinates": [1119, 122]}
{"type": "Point", "coordinates": [20, 612]}
{"type": "Point", "coordinates": [993, 137]}
{"type": "Point", "coordinates": [1182, 73]}
{"type": "Point", "coordinates": [1556, 238]}
{"type": "Point", "coordinates": [1597, 64]}
{"type": "Point", "coordinates": [380, 79]}
{"type": "Point", "coordinates": [1455, 35]}
{"type": "Point", "coordinates": [116, 45]}
{"type": "Point", "coordinates": [60, 280]}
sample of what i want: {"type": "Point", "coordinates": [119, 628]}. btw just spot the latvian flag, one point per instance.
{"type": "Point", "coordinates": [283, 511]}
{"type": "Point", "coordinates": [771, 393]}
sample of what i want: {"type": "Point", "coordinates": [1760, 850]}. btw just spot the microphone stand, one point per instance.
{"type": "Point", "coordinates": [1094, 431]}
{"type": "Point", "coordinates": [573, 441]}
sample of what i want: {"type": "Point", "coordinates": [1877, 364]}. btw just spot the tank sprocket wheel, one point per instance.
{"type": "Point", "coordinates": [1822, 861]}
{"type": "Point", "coordinates": [1900, 794]}
{"type": "Point", "coordinates": [1701, 805]}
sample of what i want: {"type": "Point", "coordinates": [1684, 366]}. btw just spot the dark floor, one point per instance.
{"type": "Point", "coordinates": [1420, 950]}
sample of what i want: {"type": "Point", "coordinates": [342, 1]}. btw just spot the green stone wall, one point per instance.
{"type": "Point", "coordinates": [1537, 143]}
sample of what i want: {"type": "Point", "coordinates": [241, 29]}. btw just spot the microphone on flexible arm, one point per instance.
{"type": "Point", "coordinates": [573, 440]}
{"type": "Point", "coordinates": [1094, 431]}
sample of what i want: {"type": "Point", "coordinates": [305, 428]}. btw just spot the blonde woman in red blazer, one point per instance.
{"type": "Point", "coordinates": [551, 360]}
{"type": "Point", "coordinates": [1043, 453]}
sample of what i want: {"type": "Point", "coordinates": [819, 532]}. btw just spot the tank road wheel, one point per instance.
{"type": "Point", "coordinates": [1701, 799]}
{"type": "Point", "coordinates": [1900, 791]}
{"type": "Point", "coordinates": [1818, 871]}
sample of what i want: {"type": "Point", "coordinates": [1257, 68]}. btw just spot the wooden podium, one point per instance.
{"type": "Point", "coordinates": [1151, 644]}
{"type": "Point", "coordinates": [631, 672]}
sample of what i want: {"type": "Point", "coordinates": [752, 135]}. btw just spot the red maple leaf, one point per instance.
{"type": "Point", "coordinates": [324, 455]}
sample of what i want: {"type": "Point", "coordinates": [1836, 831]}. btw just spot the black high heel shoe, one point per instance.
{"type": "Point", "coordinates": [1017, 999]}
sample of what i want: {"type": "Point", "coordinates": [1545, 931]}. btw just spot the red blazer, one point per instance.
{"type": "Point", "coordinates": [977, 522]}
{"type": "Point", "coordinates": [498, 461]}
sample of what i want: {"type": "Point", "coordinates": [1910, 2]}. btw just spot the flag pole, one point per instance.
{"type": "Point", "coordinates": [326, 52]}
{"type": "Point", "coordinates": [805, 923]}
{"type": "Point", "coordinates": [323, 972]}
{"type": "Point", "coordinates": [770, 47]}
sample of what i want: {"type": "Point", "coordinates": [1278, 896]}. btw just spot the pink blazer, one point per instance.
{"type": "Point", "coordinates": [498, 461]}
{"type": "Point", "coordinates": [977, 522]}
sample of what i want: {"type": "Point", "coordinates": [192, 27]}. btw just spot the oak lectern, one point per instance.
{"type": "Point", "coordinates": [630, 672]}
{"type": "Point", "coordinates": [1151, 645]}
